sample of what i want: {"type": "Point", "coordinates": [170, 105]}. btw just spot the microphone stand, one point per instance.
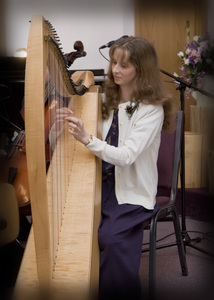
{"type": "Point", "coordinates": [182, 86]}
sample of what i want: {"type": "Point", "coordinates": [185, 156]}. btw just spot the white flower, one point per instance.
{"type": "Point", "coordinates": [196, 38]}
{"type": "Point", "coordinates": [198, 60]}
{"type": "Point", "coordinates": [186, 61]}
{"type": "Point", "coordinates": [181, 54]}
{"type": "Point", "coordinates": [188, 51]}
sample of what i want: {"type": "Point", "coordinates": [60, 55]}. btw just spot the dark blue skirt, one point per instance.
{"type": "Point", "coordinates": [120, 242]}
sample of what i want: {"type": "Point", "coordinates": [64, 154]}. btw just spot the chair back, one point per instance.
{"type": "Point", "coordinates": [169, 158]}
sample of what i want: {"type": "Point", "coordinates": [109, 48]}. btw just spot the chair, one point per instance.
{"type": "Point", "coordinates": [9, 214]}
{"type": "Point", "coordinates": [168, 170]}
{"type": "Point", "coordinates": [11, 251]}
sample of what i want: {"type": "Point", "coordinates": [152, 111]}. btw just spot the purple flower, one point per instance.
{"type": "Point", "coordinates": [192, 46]}
{"type": "Point", "coordinates": [196, 60]}
{"type": "Point", "coordinates": [192, 60]}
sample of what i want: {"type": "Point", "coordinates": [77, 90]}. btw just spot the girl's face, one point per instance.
{"type": "Point", "coordinates": [123, 71]}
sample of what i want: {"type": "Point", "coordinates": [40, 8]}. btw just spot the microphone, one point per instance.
{"type": "Point", "coordinates": [108, 45]}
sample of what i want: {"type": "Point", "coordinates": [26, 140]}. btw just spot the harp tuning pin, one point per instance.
{"type": "Point", "coordinates": [49, 23]}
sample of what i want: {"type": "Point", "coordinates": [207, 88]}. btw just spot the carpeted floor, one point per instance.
{"type": "Point", "coordinates": [170, 284]}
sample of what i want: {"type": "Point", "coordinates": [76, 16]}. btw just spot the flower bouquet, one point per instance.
{"type": "Point", "coordinates": [196, 61]}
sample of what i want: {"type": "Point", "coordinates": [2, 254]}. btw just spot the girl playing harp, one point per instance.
{"type": "Point", "coordinates": [135, 109]}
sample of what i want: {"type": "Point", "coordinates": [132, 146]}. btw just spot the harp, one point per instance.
{"type": "Point", "coordinates": [61, 258]}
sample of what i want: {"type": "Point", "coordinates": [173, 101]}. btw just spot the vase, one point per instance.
{"type": "Point", "coordinates": [201, 99]}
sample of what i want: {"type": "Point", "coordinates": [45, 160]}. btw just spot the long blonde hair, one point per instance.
{"type": "Point", "coordinates": [148, 85]}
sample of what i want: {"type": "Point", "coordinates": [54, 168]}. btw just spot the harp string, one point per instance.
{"type": "Point", "coordinates": [60, 159]}
{"type": "Point", "coordinates": [64, 92]}
{"type": "Point", "coordinates": [55, 175]}
{"type": "Point", "coordinates": [52, 102]}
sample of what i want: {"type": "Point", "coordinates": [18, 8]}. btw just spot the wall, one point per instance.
{"type": "Point", "coordinates": [165, 24]}
{"type": "Point", "coordinates": [94, 22]}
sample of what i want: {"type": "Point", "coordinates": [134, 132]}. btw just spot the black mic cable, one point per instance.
{"type": "Point", "coordinates": [109, 44]}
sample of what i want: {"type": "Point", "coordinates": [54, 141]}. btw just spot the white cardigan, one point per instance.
{"type": "Point", "coordinates": [135, 158]}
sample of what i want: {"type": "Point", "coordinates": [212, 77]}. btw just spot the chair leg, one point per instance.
{"type": "Point", "coordinates": [152, 259]}
{"type": "Point", "coordinates": [152, 251]}
{"type": "Point", "coordinates": [180, 244]}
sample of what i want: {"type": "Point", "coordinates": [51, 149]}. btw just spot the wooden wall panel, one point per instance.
{"type": "Point", "coordinates": [165, 24]}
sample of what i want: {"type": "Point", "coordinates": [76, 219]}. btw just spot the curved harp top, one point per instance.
{"type": "Point", "coordinates": [83, 76]}
{"type": "Point", "coordinates": [66, 262]}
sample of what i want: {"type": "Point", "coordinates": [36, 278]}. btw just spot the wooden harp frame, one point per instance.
{"type": "Point", "coordinates": [74, 270]}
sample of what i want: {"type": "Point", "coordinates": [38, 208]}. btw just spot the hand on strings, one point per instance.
{"type": "Point", "coordinates": [76, 128]}
{"type": "Point", "coordinates": [61, 115]}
